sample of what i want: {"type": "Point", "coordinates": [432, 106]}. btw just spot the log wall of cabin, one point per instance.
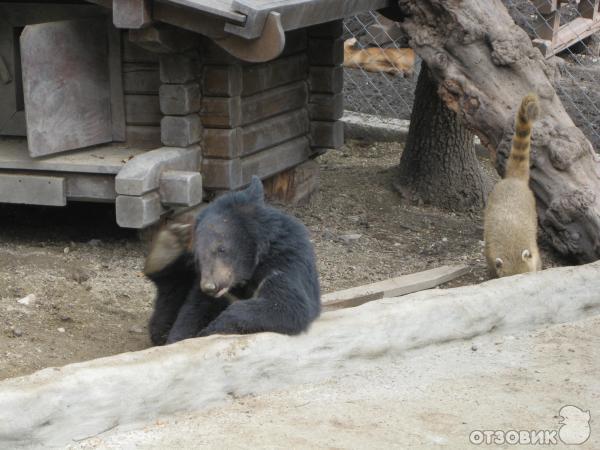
{"type": "Point", "coordinates": [254, 116]}
{"type": "Point", "coordinates": [141, 84]}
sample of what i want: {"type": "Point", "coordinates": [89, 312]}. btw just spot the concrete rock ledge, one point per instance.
{"type": "Point", "coordinates": [57, 406]}
{"type": "Point", "coordinates": [370, 128]}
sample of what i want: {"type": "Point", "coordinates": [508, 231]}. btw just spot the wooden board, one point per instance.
{"type": "Point", "coordinates": [261, 77]}
{"type": "Point", "coordinates": [326, 106]}
{"type": "Point", "coordinates": [12, 118]}
{"type": "Point", "coordinates": [298, 13]}
{"type": "Point", "coordinates": [276, 101]}
{"type": "Point", "coordinates": [143, 136]}
{"type": "Point", "coordinates": [132, 13]}
{"type": "Point", "coordinates": [142, 109]}
{"type": "Point", "coordinates": [141, 78]}
{"type": "Point", "coordinates": [294, 186]}
{"type": "Point", "coordinates": [235, 173]}
{"type": "Point", "coordinates": [22, 13]}
{"type": "Point", "coordinates": [103, 159]}
{"type": "Point", "coordinates": [393, 287]}
{"type": "Point", "coordinates": [276, 159]}
{"type": "Point", "coordinates": [574, 31]}
{"type": "Point", "coordinates": [326, 134]}
{"type": "Point", "coordinates": [135, 54]}
{"type": "Point", "coordinates": [273, 131]}
{"type": "Point", "coordinates": [235, 79]}
{"type": "Point", "coordinates": [231, 112]}
{"type": "Point", "coordinates": [32, 189]}
{"type": "Point", "coordinates": [117, 102]}
{"type": "Point", "coordinates": [66, 87]}
{"type": "Point", "coordinates": [217, 8]}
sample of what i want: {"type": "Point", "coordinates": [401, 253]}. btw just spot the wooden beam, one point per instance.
{"type": "Point", "coordinates": [267, 46]}
{"type": "Point", "coordinates": [573, 32]}
{"type": "Point", "coordinates": [548, 28]}
{"type": "Point", "coordinates": [231, 112]}
{"type": "Point", "coordinates": [393, 287]}
{"type": "Point", "coordinates": [117, 100]}
{"type": "Point", "coordinates": [22, 14]}
{"type": "Point", "coordinates": [234, 173]}
{"type": "Point", "coordinates": [588, 9]}
{"type": "Point", "coordinates": [189, 20]}
{"type": "Point", "coordinates": [243, 141]}
{"type": "Point", "coordinates": [132, 14]}
{"type": "Point", "coordinates": [546, 6]}
{"type": "Point", "coordinates": [163, 38]}
{"type": "Point", "coordinates": [295, 186]}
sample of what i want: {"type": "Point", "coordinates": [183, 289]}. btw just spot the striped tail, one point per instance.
{"type": "Point", "coordinates": [518, 161]}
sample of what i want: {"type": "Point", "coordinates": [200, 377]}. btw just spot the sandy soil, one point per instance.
{"type": "Point", "coordinates": [91, 299]}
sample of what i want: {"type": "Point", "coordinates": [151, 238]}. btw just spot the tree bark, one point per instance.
{"type": "Point", "coordinates": [438, 164]}
{"type": "Point", "coordinates": [484, 64]}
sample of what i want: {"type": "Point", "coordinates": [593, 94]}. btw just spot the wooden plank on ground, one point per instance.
{"type": "Point", "coordinates": [393, 287]}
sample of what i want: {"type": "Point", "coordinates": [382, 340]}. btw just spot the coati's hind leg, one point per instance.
{"type": "Point", "coordinates": [170, 266]}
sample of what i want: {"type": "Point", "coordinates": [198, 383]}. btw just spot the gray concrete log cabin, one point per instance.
{"type": "Point", "coordinates": [157, 105]}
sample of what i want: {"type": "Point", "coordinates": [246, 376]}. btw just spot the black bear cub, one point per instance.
{"type": "Point", "coordinates": [245, 267]}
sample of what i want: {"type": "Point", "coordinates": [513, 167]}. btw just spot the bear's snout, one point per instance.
{"type": "Point", "coordinates": [208, 287]}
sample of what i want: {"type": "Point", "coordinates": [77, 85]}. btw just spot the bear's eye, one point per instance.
{"type": "Point", "coordinates": [221, 249]}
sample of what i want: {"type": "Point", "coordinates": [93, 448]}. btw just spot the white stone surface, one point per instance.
{"type": "Point", "coordinates": [432, 397]}
{"type": "Point", "coordinates": [82, 400]}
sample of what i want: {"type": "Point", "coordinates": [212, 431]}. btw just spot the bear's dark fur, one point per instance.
{"type": "Point", "coordinates": [240, 249]}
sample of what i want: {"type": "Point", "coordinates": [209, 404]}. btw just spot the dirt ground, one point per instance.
{"type": "Point", "coordinates": [91, 299]}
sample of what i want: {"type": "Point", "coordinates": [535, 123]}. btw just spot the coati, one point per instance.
{"type": "Point", "coordinates": [395, 61]}
{"type": "Point", "coordinates": [510, 224]}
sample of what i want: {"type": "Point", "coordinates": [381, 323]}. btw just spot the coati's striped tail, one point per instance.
{"type": "Point", "coordinates": [518, 161]}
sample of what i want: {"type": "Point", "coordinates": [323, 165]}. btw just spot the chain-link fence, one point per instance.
{"type": "Point", "coordinates": [387, 95]}
{"type": "Point", "coordinates": [391, 96]}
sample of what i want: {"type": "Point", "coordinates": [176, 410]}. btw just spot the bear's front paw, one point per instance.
{"type": "Point", "coordinates": [224, 324]}
{"type": "Point", "coordinates": [211, 329]}
{"type": "Point", "coordinates": [183, 233]}
{"type": "Point", "coordinates": [170, 243]}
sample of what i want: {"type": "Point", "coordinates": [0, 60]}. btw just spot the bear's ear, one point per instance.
{"type": "Point", "coordinates": [255, 191]}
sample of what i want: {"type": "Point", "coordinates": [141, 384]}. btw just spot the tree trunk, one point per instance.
{"type": "Point", "coordinates": [484, 64]}
{"type": "Point", "coordinates": [438, 164]}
